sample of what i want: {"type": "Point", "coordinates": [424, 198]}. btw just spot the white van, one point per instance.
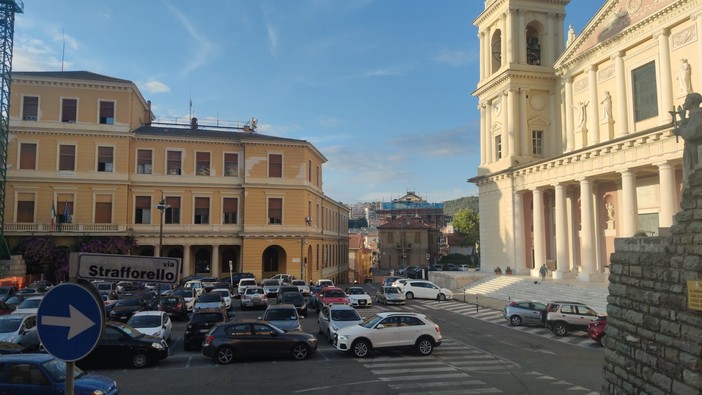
{"type": "Point", "coordinates": [246, 283]}
{"type": "Point", "coordinates": [196, 285]}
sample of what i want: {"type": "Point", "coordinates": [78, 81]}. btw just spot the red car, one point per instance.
{"type": "Point", "coordinates": [5, 309]}
{"type": "Point", "coordinates": [332, 295]}
{"type": "Point", "coordinates": [596, 329]}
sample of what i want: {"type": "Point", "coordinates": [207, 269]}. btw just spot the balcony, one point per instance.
{"type": "Point", "coordinates": [19, 229]}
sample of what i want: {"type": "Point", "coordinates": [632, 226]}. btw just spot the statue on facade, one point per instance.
{"type": "Point", "coordinates": [689, 127]}
{"type": "Point", "coordinates": [685, 77]}
{"type": "Point", "coordinates": [571, 35]}
{"type": "Point", "coordinates": [607, 107]}
{"type": "Point", "coordinates": [582, 114]}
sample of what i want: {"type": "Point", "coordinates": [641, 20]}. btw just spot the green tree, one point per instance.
{"type": "Point", "coordinates": [467, 222]}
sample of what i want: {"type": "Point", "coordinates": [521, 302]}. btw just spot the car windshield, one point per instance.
{"type": "Point", "coordinates": [299, 282]}
{"type": "Point", "coordinates": [247, 282]}
{"type": "Point", "coordinates": [222, 292]}
{"type": "Point", "coordinates": [370, 322]}
{"type": "Point", "coordinates": [356, 291]}
{"type": "Point", "coordinates": [183, 292]}
{"type": "Point", "coordinates": [270, 283]}
{"type": "Point", "coordinates": [10, 325]}
{"type": "Point", "coordinates": [392, 290]}
{"type": "Point", "coordinates": [4, 290]}
{"type": "Point", "coordinates": [345, 315]}
{"type": "Point", "coordinates": [57, 369]}
{"type": "Point", "coordinates": [209, 298]}
{"type": "Point", "coordinates": [334, 293]}
{"type": "Point", "coordinates": [14, 300]}
{"type": "Point", "coordinates": [128, 302]}
{"type": "Point", "coordinates": [206, 317]}
{"type": "Point", "coordinates": [292, 297]}
{"type": "Point", "coordinates": [145, 321]}
{"type": "Point", "coordinates": [280, 315]}
{"type": "Point", "coordinates": [252, 291]}
{"type": "Point", "coordinates": [29, 304]}
{"type": "Point", "coordinates": [129, 331]}
{"type": "Point", "coordinates": [103, 287]}
{"type": "Point", "coordinates": [169, 300]}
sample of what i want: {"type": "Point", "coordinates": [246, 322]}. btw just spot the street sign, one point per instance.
{"type": "Point", "coordinates": [69, 321]}
{"type": "Point", "coordinates": [128, 268]}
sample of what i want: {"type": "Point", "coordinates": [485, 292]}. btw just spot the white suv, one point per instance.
{"type": "Point", "coordinates": [389, 330]}
{"type": "Point", "coordinates": [246, 283]}
{"type": "Point", "coordinates": [423, 289]}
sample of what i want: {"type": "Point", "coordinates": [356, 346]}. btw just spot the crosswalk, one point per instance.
{"type": "Point", "coordinates": [579, 339]}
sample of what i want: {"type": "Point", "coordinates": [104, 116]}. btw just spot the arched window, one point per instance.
{"type": "Point", "coordinates": [496, 51]}
{"type": "Point", "coordinates": [533, 46]}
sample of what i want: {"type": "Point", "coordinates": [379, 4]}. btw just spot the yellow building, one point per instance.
{"type": "Point", "coordinates": [83, 146]}
{"type": "Point", "coordinates": [577, 140]}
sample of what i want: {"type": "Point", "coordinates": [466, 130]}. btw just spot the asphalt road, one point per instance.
{"type": "Point", "coordinates": [481, 354]}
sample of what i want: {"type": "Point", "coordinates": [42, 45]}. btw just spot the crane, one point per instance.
{"type": "Point", "coordinates": [8, 9]}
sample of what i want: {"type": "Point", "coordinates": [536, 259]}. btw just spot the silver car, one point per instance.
{"type": "Point", "coordinates": [283, 316]}
{"type": "Point", "coordinates": [389, 295]}
{"type": "Point", "coordinates": [336, 316]}
{"type": "Point", "coordinates": [254, 297]}
{"type": "Point", "coordinates": [271, 287]}
{"type": "Point", "coordinates": [21, 329]}
{"type": "Point", "coordinates": [525, 312]}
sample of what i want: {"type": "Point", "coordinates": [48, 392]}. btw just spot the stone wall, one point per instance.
{"type": "Point", "coordinates": [654, 341]}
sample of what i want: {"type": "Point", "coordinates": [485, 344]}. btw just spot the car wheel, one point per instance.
{"type": "Point", "coordinates": [139, 360]}
{"type": "Point", "coordinates": [360, 348]}
{"type": "Point", "coordinates": [425, 346]}
{"type": "Point", "coordinates": [515, 320]}
{"type": "Point", "coordinates": [441, 297]}
{"type": "Point", "coordinates": [560, 329]}
{"type": "Point", "coordinates": [300, 351]}
{"type": "Point", "coordinates": [224, 356]}
{"type": "Point", "coordinates": [602, 340]}
{"type": "Point", "coordinates": [409, 295]}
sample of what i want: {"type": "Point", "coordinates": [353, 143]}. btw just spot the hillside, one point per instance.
{"type": "Point", "coordinates": [451, 206]}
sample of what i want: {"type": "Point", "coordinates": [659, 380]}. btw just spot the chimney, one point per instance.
{"type": "Point", "coordinates": [148, 114]}
{"type": "Point", "coordinates": [193, 124]}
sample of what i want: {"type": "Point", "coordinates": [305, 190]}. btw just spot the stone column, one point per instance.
{"type": "Point", "coordinates": [215, 264]}
{"type": "Point", "coordinates": [561, 232]}
{"type": "Point", "coordinates": [512, 106]}
{"type": "Point", "coordinates": [484, 51]}
{"type": "Point", "coordinates": [188, 268]}
{"type": "Point", "coordinates": [489, 151]}
{"type": "Point", "coordinates": [559, 42]}
{"type": "Point", "coordinates": [666, 95]}
{"type": "Point", "coordinates": [621, 122]}
{"type": "Point", "coordinates": [519, 235]}
{"type": "Point", "coordinates": [587, 231]}
{"type": "Point", "coordinates": [629, 210]}
{"type": "Point", "coordinates": [523, 126]}
{"type": "Point", "coordinates": [698, 25]}
{"type": "Point", "coordinates": [504, 44]}
{"type": "Point", "coordinates": [505, 109]}
{"type": "Point", "coordinates": [547, 48]}
{"type": "Point", "coordinates": [570, 128]}
{"type": "Point", "coordinates": [521, 39]}
{"type": "Point", "coordinates": [573, 232]}
{"type": "Point", "coordinates": [509, 32]}
{"type": "Point", "coordinates": [483, 134]}
{"type": "Point", "coordinates": [666, 174]}
{"type": "Point", "coordinates": [593, 122]}
{"type": "Point", "coordinates": [539, 228]}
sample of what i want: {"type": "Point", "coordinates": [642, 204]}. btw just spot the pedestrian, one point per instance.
{"type": "Point", "coordinates": [543, 272]}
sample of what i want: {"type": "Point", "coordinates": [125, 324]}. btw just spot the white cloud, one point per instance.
{"type": "Point", "coordinates": [327, 122]}
{"type": "Point", "coordinates": [156, 87]}
{"type": "Point", "coordinates": [204, 48]}
{"type": "Point", "coordinates": [455, 57]}
{"type": "Point", "coordinates": [388, 71]}
{"type": "Point", "coordinates": [437, 143]}
{"type": "Point", "coordinates": [31, 54]}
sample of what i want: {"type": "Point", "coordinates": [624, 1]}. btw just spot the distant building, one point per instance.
{"type": "Point", "coordinates": [412, 205]}
{"type": "Point", "coordinates": [407, 241]}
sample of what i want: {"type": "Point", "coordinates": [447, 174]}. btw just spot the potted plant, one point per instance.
{"type": "Point", "coordinates": [498, 271]}
{"type": "Point", "coordinates": [508, 270]}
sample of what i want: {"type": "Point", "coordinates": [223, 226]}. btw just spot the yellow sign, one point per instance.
{"type": "Point", "coordinates": [694, 294]}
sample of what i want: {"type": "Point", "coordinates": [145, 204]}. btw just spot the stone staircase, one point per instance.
{"type": "Point", "coordinates": [512, 287]}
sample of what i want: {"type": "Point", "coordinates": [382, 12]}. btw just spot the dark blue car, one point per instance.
{"type": "Point", "coordinates": [30, 374]}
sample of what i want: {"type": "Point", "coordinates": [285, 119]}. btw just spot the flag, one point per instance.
{"type": "Point", "coordinates": [66, 214]}
{"type": "Point", "coordinates": [53, 214]}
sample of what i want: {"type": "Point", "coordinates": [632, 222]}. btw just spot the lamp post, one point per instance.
{"type": "Point", "coordinates": [302, 262]}
{"type": "Point", "coordinates": [162, 206]}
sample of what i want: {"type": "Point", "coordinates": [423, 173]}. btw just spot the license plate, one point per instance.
{"type": "Point", "coordinates": [204, 330]}
{"type": "Point", "coordinates": [362, 302]}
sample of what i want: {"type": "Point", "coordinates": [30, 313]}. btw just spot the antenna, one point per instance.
{"type": "Point", "coordinates": [190, 92]}
{"type": "Point", "coordinates": [63, 50]}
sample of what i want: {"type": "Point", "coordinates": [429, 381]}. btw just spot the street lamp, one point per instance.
{"type": "Point", "coordinates": [162, 206]}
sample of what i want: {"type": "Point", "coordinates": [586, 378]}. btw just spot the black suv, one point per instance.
{"type": "Point", "coordinates": [200, 325]}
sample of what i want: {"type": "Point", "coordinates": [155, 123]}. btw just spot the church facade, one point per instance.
{"type": "Point", "coordinates": [578, 143]}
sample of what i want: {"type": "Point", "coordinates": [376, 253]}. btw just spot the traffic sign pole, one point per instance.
{"type": "Point", "coordinates": [70, 382]}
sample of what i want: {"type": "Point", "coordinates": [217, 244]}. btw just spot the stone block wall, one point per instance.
{"type": "Point", "coordinates": [654, 341]}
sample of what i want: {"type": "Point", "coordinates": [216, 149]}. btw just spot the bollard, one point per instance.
{"type": "Point", "coordinates": [477, 306]}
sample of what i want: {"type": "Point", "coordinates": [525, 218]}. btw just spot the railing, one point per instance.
{"type": "Point", "coordinates": [78, 228]}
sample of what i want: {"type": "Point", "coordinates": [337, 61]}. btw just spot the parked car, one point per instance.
{"type": "Point", "coordinates": [423, 289]}
{"type": "Point", "coordinates": [7, 291]}
{"type": "Point", "coordinates": [302, 287]}
{"type": "Point", "coordinates": [330, 295]}
{"type": "Point", "coordinates": [5, 308]}
{"type": "Point", "coordinates": [596, 328]}
{"type": "Point", "coordinates": [246, 283]}
{"type": "Point", "coordinates": [226, 296]}
{"type": "Point", "coordinates": [188, 295]}
{"type": "Point", "coordinates": [464, 268]}
{"type": "Point", "coordinates": [388, 280]}
{"type": "Point", "coordinates": [125, 307]}
{"type": "Point", "coordinates": [209, 301]}
{"type": "Point", "coordinates": [196, 285]}
{"type": "Point", "coordinates": [283, 278]}
{"type": "Point", "coordinates": [389, 295]}
{"type": "Point", "coordinates": [29, 305]}
{"type": "Point", "coordinates": [525, 312]}
{"type": "Point", "coordinates": [296, 299]}
{"type": "Point", "coordinates": [389, 330]}
{"type": "Point", "coordinates": [358, 297]}
{"type": "Point", "coordinates": [174, 306]}
{"type": "Point", "coordinates": [20, 329]}
{"type": "Point", "coordinates": [325, 282]}
{"type": "Point", "coordinates": [283, 316]}
{"type": "Point", "coordinates": [208, 283]}
{"type": "Point", "coordinates": [417, 272]}
{"type": "Point", "coordinates": [236, 277]}
{"type": "Point", "coordinates": [120, 344]}
{"type": "Point", "coordinates": [254, 297]}
{"type": "Point", "coordinates": [27, 292]}
{"type": "Point", "coordinates": [563, 317]}
{"type": "Point", "coordinates": [46, 374]}
{"type": "Point", "coordinates": [436, 268]}
{"type": "Point", "coordinates": [314, 297]}
{"type": "Point", "coordinates": [14, 301]}
{"type": "Point", "coordinates": [105, 286]}
{"type": "Point", "coordinates": [200, 325]}
{"type": "Point", "coordinates": [271, 287]}
{"type": "Point", "coordinates": [451, 267]}
{"type": "Point", "coordinates": [154, 323]}
{"type": "Point", "coordinates": [334, 317]}
{"type": "Point", "coordinates": [256, 338]}
{"type": "Point", "coordinates": [400, 283]}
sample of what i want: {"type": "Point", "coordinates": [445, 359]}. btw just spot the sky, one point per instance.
{"type": "Point", "coordinates": [382, 88]}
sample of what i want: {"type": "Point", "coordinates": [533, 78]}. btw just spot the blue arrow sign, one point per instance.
{"type": "Point", "coordinates": [69, 321]}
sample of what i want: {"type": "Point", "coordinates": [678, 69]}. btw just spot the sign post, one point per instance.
{"type": "Point", "coordinates": [69, 325]}
{"type": "Point", "coordinates": [127, 268]}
